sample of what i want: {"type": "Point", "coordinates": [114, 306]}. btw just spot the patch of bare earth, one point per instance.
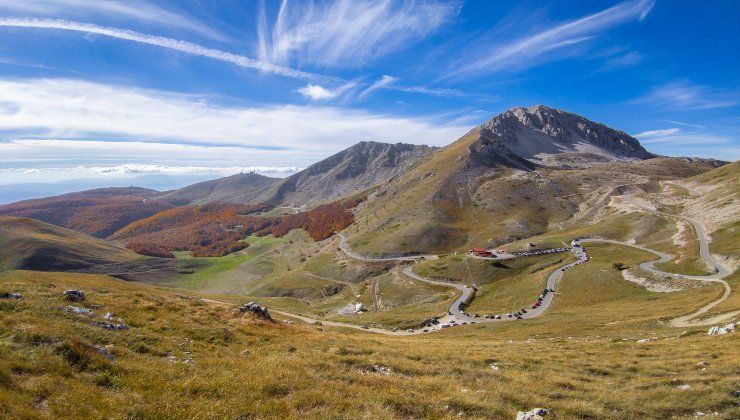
{"type": "Point", "coordinates": [659, 284]}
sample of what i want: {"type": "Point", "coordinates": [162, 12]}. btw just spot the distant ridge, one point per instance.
{"type": "Point", "coordinates": [239, 188]}
{"type": "Point", "coordinates": [353, 170]}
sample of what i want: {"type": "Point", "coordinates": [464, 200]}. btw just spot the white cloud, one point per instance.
{"type": "Point", "coordinates": [440, 92]}
{"type": "Point", "coordinates": [656, 133]}
{"type": "Point", "coordinates": [378, 84]}
{"type": "Point", "coordinates": [74, 109]}
{"type": "Point", "coordinates": [686, 95]}
{"type": "Point", "coordinates": [542, 46]}
{"type": "Point", "coordinates": [676, 136]}
{"type": "Point", "coordinates": [684, 124]}
{"type": "Point", "coordinates": [135, 9]}
{"type": "Point", "coordinates": [172, 44]}
{"type": "Point", "coordinates": [320, 93]}
{"type": "Point", "coordinates": [679, 142]}
{"type": "Point", "coordinates": [348, 33]}
{"type": "Point", "coordinates": [391, 83]}
{"type": "Point", "coordinates": [9, 176]}
{"type": "Point", "coordinates": [137, 168]}
{"type": "Point", "coordinates": [316, 92]}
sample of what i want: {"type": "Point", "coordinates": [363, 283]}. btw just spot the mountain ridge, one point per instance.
{"type": "Point", "coordinates": [542, 136]}
{"type": "Point", "coordinates": [350, 171]}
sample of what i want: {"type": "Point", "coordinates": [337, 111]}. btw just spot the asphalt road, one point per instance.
{"type": "Point", "coordinates": [456, 316]}
{"type": "Point", "coordinates": [345, 248]}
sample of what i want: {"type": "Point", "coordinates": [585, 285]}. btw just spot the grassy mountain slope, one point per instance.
{"type": "Point", "coordinates": [714, 198]}
{"type": "Point", "coordinates": [455, 198]}
{"type": "Point", "coordinates": [97, 212]}
{"type": "Point", "coordinates": [239, 188]}
{"type": "Point", "coordinates": [31, 244]}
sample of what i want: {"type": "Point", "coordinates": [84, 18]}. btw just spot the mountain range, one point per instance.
{"type": "Point", "coordinates": [522, 172]}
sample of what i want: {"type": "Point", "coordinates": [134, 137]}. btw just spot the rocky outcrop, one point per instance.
{"type": "Point", "coordinates": [256, 309]}
{"type": "Point", "coordinates": [7, 295]}
{"type": "Point", "coordinates": [534, 414]}
{"type": "Point", "coordinates": [74, 295]}
{"type": "Point", "coordinates": [717, 330]}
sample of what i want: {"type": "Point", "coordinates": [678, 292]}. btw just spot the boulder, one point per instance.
{"type": "Point", "coordinates": [534, 414]}
{"type": "Point", "coordinates": [6, 295]}
{"type": "Point", "coordinates": [255, 308]}
{"type": "Point", "coordinates": [74, 295]}
{"type": "Point", "coordinates": [359, 308]}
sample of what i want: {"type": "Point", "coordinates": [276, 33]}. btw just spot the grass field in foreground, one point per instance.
{"type": "Point", "coordinates": [182, 357]}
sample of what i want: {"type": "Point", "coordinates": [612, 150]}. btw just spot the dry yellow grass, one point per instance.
{"type": "Point", "coordinates": [185, 358]}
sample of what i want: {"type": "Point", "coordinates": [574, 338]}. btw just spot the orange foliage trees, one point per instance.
{"type": "Point", "coordinates": [216, 229]}
{"type": "Point", "coordinates": [97, 212]}
{"type": "Point", "coordinates": [209, 230]}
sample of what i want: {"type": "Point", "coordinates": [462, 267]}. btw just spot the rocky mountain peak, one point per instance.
{"type": "Point", "coordinates": [539, 132]}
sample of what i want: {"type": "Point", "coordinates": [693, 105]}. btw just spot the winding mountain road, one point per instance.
{"type": "Point", "coordinates": [456, 316]}
{"type": "Point", "coordinates": [345, 249]}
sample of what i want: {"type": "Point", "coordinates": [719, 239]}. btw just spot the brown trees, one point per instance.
{"type": "Point", "coordinates": [216, 229]}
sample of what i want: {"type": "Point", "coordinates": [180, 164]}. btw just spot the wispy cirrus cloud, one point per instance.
{"type": "Point", "coordinates": [656, 133]}
{"type": "Point", "coordinates": [546, 45]}
{"type": "Point", "coordinates": [313, 91]}
{"type": "Point", "coordinates": [142, 11]}
{"type": "Point", "coordinates": [627, 59]}
{"type": "Point", "coordinates": [159, 41]}
{"type": "Point", "coordinates": [381, 83]}
{"type": "Point", "coordinates": [692, 142]}
{"type": "Point", "coordinates": [684, 124]}
{"type": "Point", "coordinates": [684, 95]}
{"type": "Point", "coordinates": [391, 83]}
{"type": "Point", "coordinates": [75, 109]}
{"type": "Point", "coordinates": [347, 33]}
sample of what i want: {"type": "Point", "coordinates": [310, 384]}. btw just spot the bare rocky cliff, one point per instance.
{"type": "Point", "coordinates": [540, 135]}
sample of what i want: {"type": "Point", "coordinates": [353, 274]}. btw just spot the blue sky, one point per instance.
{"type": "Point", "coordinates": [109, 90]}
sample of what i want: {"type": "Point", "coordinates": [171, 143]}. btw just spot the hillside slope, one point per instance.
{"type": "Point", "coordinates": [98, 212]}
{"type": "Point", "coordinates": [502, 181]}
{"type": "Point", "coordinates": [34, 245]}
{"type": "Point", "coordinates": [239, 188]}
{"type": "Point", "coordinates": [353, 170]}
{"type": "Point", "coordinates": [713, 198]}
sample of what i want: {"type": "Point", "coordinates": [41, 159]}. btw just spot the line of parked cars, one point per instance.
{"type": "Point", "coordinates": [541, 252]}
